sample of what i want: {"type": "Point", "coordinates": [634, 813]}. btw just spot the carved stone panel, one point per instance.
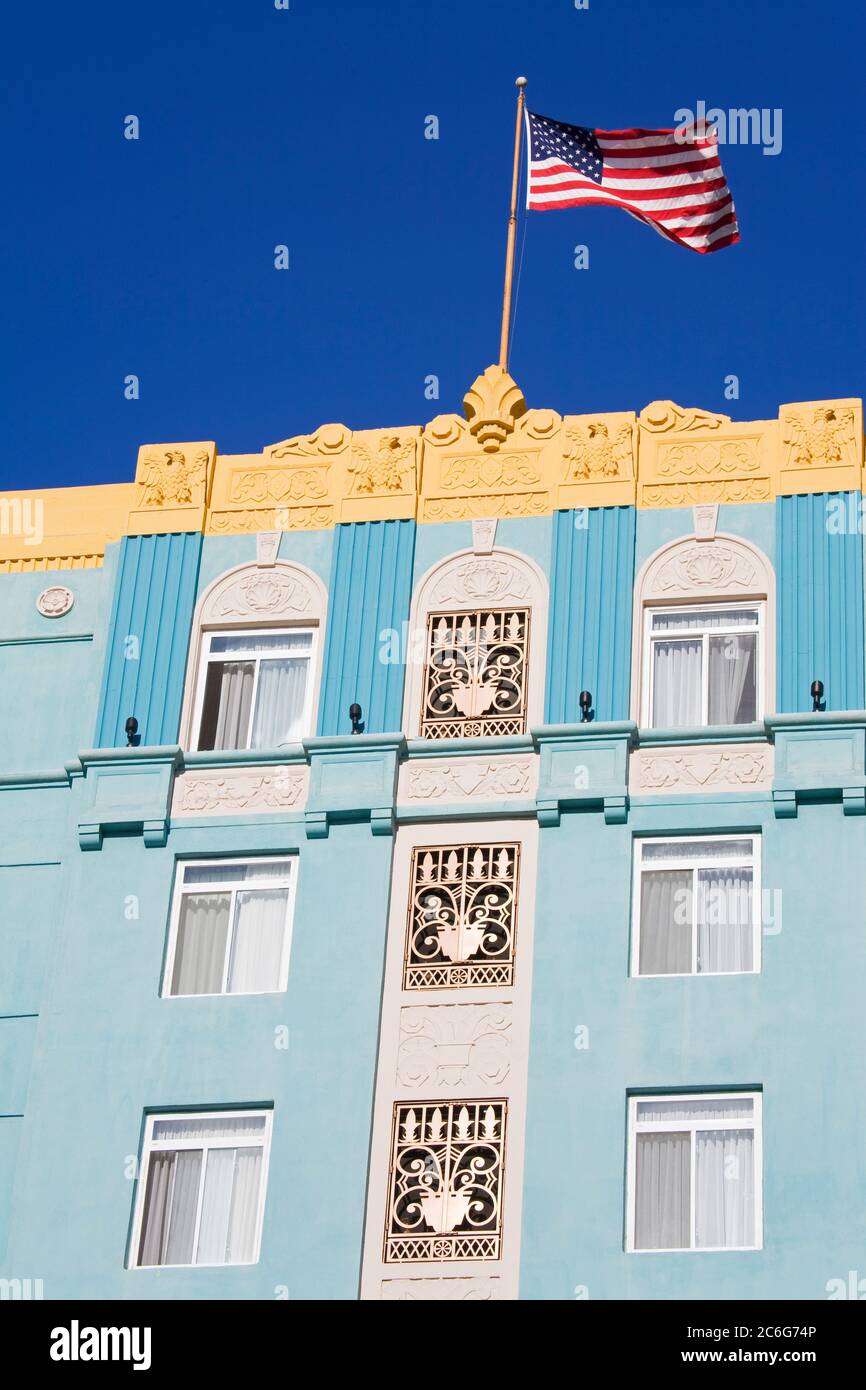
{"type": "Point", "coordinates": [468, 779]}
{"type": "Point", "coordinates": [707, 768]}
{"type": "Point", "coordinates": [436, 1290]}
{"type": "Point", "coordinates": [220, 791]}
{"type": "Point", "coordinates": [821, 446]}
{"type": "Point", "coordinates": [171, 487]}
{"type": "Point", "coordinates": [690, 456]}
{"type": "Point", "coordinates": [456, 1046]}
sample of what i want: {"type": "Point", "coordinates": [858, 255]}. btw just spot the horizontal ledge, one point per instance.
{"type": "Point", "coordinates": [702, 733]}
{"type": "Point", "coordinates": [245, 757]}
{"type": "Point", "coordinates": [467, 747]}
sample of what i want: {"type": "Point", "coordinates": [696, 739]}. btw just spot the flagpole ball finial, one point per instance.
{"type": "Point", "coordinates": [521, 82]}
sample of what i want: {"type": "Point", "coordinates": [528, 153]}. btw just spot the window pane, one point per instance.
{"type": "Point", "coordinates": [252, 642]}
{"type": "Point", "coordinates": [225, 714]}
{"type": "Point", "coordinates": [188, 1127]}
{"type": "Point", "coordinates": [700, 851]}
{"type": "Point", "coordinates": [257, 944]}
{"type": "Point", "coordinates": [706, 1108]}
{"type": "Point", "coordinates": [184, 1201]}
{"type": "Point", "coordinates": [266, 869]}
{"type": "Point", "coordinates": [677, 683]}
{"type": "Point", "coordinates": [725, 1187]}
{"type": "Point", "coordinates": [200, 952]}
{"type": "Point", "coordinates": [154, 1221]}
{"type": "Point", "coordinates": [666, 913]}
{"type": "Point", "coordinates": [733, 690]}
{"type": "Point", "coordinates": [662, 1192]}
{"type": "Point", "coordinates": [725, 926]}
{"type": "Point", "coordinates": [280, 702]}
{"type": "Point", "coordinates": [215, 1207]}
{"type": "Point", "coordinates": [243, 1221]}
{"type": "Point", "coordinates": [705, 618]}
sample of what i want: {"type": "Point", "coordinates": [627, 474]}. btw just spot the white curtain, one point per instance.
{"type": "Point", "coordinates": [168, 1225]}
{"type": "Point", "coordinates": [731, 675]}
{"type": "Point", "coordinates": [257, 943]}
{"type": "Point", "coordinates": [665, 922]}
{"type": "Point", "coordinates": [724, 1187]}
{"type": "Point", "coordinates": [230, 686]}
{"type": "Point", "coordinates": [662, 1200]}
{"type": "Point", "coordinates": [677, 683]}
{"type": "Point", "coordinates": [280, 702]}
{"type": "Point", "coordinates": [724, 920]}
{"type": "Point", "coordinates": [200, 952]}
{"type": "Point", "coordinates": [243, 1219]}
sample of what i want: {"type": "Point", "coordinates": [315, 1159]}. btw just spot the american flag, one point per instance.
{"type": "Point", "coordinates": [678, 187]}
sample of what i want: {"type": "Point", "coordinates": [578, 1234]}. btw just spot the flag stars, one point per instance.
{"type": "Point", "coordinates": [571, 144]}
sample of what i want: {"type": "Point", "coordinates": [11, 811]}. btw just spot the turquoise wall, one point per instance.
{"type": "Point", "coordinates": [589, 637]}
{"type": "Point", "coordinates": [820, 579]}
{"type": "Point", "coordinates": [50, 667]}
{"type": "Point", "coordinates": [87, 1046]}
{"type": "Point", "coordinates": [371, 589]}
{"type": "Point", "coordinates": [148, 639]}
{"type": "Point", "coordinates": [793, 1030]}
{"type": "Point", "coordinates": [106, 1048]}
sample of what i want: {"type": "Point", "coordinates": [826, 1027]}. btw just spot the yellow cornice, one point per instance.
{"type": "Point", "coordinates": [497, 459]}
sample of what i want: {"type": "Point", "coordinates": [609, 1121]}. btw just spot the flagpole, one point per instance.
{"type": "Point", "coordinates": [512, 228]}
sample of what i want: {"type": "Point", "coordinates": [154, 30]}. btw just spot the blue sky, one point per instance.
{"type": "Point", "coordinates": [305, 127]}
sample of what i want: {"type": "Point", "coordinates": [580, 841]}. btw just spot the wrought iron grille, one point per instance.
{"type": "Point", "coordinates": [475, 678]}
{"type": "Point", "coordinates": [447, 1163]}
{"type": "Point", "coordinates": [462, 916]}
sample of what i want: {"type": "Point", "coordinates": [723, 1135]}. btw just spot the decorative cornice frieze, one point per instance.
{"type": "Point", "coordinates": [499, 459]}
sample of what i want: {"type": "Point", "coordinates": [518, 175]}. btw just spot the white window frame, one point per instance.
{"type": "Point", "coordinates": [232, 886]}
{"type": "Point", "coordinates": [695, 863]}
{"type": "Point", "coordinates": [650, 638]}
{"type": "Point", "coordinates": [207, 656]}
{"type": "Point", "coordinates": [150, 1145]}
{"type": "Point", "coordinates": [692, 1126]}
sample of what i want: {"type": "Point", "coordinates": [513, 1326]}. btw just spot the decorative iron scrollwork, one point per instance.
{"type": "Point", "coordinates": [476, 673]}
{"type": "Point", "coordinates": [462, 916]}
{"type": "Point", "coordinates": [447, 1163]}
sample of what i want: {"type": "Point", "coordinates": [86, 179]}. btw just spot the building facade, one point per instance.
{"type": "Point", "coordinates": [429, 868]}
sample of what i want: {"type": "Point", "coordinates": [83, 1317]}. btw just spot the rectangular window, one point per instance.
{"type": "Point", "coordinates": [475, 678]}
{"type": "Point", "coordinates": [255, 688]}
{"type": "Point", "coordinates": [202, 1188]}
{"type": "Point", "coordinates": [704, 665]}
{"type": "Point", "coordinates": [462, 916]}
{"type": "Point", "coordinates": [697, 906]}
{"type": "Point", "coordinates": [230, 927]}
{"type": "Point", "coordinates": [447, 1162]}
{"type": "Point", "coordinates": [695, 1172]}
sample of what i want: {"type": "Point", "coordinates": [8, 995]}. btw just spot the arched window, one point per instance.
{"type": "Point", "coordinates": [704, 635]}
{"type": "Point", "coordinates": [255, 659]}
{"type": "Point", "coordinates": [478, 641]}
